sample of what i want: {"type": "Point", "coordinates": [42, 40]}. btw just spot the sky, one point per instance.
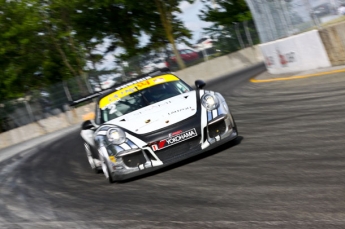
{"type": "Point", "coordinates": [191, 21]}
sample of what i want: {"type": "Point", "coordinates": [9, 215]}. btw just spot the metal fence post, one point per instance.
{"type": "Point", "coordinates": [287, 17]}
{"type": "Point", "coordinates": [69, 97]}
{"type": "Point", "coordinates": [85, 77]}
{"type": "Point", "coordinates": [68, 94]}
{"type": "Point", "coordinates": [313, 16]}
{"type": "Point", "coordinates": [249, 38]}
{"type": "Point", "coordinates": [239, 36]}
{"type": "Point", "coordinates": [29, 110]}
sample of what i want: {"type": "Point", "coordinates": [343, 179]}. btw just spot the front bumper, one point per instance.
{"type": "Point", "coordinates": [146, 160]}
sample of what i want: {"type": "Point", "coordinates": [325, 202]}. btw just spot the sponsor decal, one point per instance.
{"type": "Point", "coordinates": [175, 133]}
{"type": "Point", "coordinates": [174, 138]}
{"type": "Point", "coordinates": [159, 105]}
{"type": "Point", "coordinates": [180, 110]}
{"type": "Point", "coordinates": [269, 61]}
{"type": "Point", "coordinates": [134, 86]}
{"type": "Point", "coordinates": [134, 82]}
{"type": "Point", "coordinates": [284, 59]}
{"type": "Point", "coordinates": [159, 80]}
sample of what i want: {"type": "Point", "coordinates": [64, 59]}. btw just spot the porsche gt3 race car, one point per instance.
{"type": "Point", "coordinates": [154, 121]}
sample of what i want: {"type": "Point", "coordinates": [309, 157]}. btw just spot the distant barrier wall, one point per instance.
{"type": "Point", "coordinates": [44, 126]}
{"type": "Point", "coordinates": [301, 52]}
{"type": "Point", "coordinates": [222, 65]}
{"type": "Point", "coordinates": [333, 38]}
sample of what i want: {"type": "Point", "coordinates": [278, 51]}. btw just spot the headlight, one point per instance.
{"type": "Point", "coordinates": [210, 102]}
{"type": "Point", "coordinates": [116, 136]}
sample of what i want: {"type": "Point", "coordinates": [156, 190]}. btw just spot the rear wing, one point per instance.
{"type": "Point", "coordinates": [89, 97]}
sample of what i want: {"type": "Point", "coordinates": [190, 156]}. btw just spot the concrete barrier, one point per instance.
{"type": "Point", "coordinates": [333, 38]}
{"type": "Point", "coordinates": [300, 52]}
{"type": "Point", "coordinates": [223, 65]}
{"type": "Point", "coordinates": [45, 126]}
{"type": "Point", "coordinates": [20, 134]}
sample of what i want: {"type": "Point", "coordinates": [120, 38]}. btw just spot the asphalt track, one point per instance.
{"type": "Point", "coordinates": [287, 170]}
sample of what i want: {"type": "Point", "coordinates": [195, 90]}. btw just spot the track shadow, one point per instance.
{"type": "Point", "coordinates": [192, 159]}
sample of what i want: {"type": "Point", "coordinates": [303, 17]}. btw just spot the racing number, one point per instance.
{"type": "Point", "coordinates": [112, 108]}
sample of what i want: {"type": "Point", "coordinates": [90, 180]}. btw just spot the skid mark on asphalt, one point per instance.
{"type": "Point", "coordinates": [296, 77]}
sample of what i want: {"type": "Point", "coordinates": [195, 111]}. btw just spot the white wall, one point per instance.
{"type": "Point", "coordinates": [296, 53]}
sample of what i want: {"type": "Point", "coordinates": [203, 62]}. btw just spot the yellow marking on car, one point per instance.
{"type": "Point", "coordinates": [112, 158]}
{"type": "Point", "coordinates": [296, 77]}
{"type": "Point", "coordinates": [117, 95]}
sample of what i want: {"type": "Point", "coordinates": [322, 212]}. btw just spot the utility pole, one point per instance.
{"type": "Point", "coordinates": [310, 10]}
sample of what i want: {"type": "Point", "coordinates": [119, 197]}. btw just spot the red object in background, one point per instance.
{"type": "Point", "coordinates": [187, 55]}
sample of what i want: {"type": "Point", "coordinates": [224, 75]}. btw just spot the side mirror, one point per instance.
{"type": "Point", "coordinates": [87, 125]}
{"type": "Point", "coordinates": [199, 84]}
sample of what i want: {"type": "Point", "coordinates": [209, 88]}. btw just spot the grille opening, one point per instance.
{"type": "Point", "coordinates": [134, 159]}
{"type": "Point", "coordinates": [149, 155]}
{"type": "Point", "coordinates": [205, 134]}
{"type": "Point", "coordinates": [216, 129]}
{"type": "Point", "coordinates": [178, 151]}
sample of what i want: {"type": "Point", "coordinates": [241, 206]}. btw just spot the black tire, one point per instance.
{"type": "Point", "coordinates": [235, 125]}
{"type": "Point", "coordinates": [91, 158]}
{"type": "Point", "coordinates": [97, 170]}
{"type": "Point", "coordinates": [106, 170]}
{"type": "Point", "coordinates": [110, 178]}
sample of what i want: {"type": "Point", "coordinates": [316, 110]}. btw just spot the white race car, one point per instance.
{"type": "Point", "coordinates": [154, 121]}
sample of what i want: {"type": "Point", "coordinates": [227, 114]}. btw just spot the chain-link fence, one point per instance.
{"type": "Point", "coordinates": [40, 104]}
{"type": "Point", "coordinates": [281, 18]}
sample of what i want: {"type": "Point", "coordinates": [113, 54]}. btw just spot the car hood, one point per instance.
{"type": "Point", "coordinates": [159, 115]}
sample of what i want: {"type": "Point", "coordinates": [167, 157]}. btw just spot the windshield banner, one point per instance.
{"type": "Point", "coordinates": [134, 86]}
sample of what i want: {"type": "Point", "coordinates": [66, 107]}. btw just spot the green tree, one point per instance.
{"type": "Point", "coordinates": [228, 17]}
{"type": "Point", "coordinates": [166, 11]}
{"type": "Point", "coordinates": [36, 47]}
{"type": "Point", "coordinates": [124, 22]}
{"type": "Point", "coordinates": [225, 12]}
{"type": "Point", "coordinates": [45, 41]}
{"type": "Point", "coordinates": [20, 48]}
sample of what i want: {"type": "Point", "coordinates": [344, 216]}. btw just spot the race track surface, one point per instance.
{"type": "Point", "coordinates": [287, 170]}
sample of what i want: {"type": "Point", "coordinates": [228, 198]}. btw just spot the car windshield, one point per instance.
{"type": "Point", "coordinates": [141, 98]}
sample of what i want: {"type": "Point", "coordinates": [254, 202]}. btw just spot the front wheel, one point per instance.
{"type": "Point", "coordinates": [90, 158]}
{"type": "Point", "coordinates": [107, 172]}
{"type": "Point", "coordinates": [234, 125]}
